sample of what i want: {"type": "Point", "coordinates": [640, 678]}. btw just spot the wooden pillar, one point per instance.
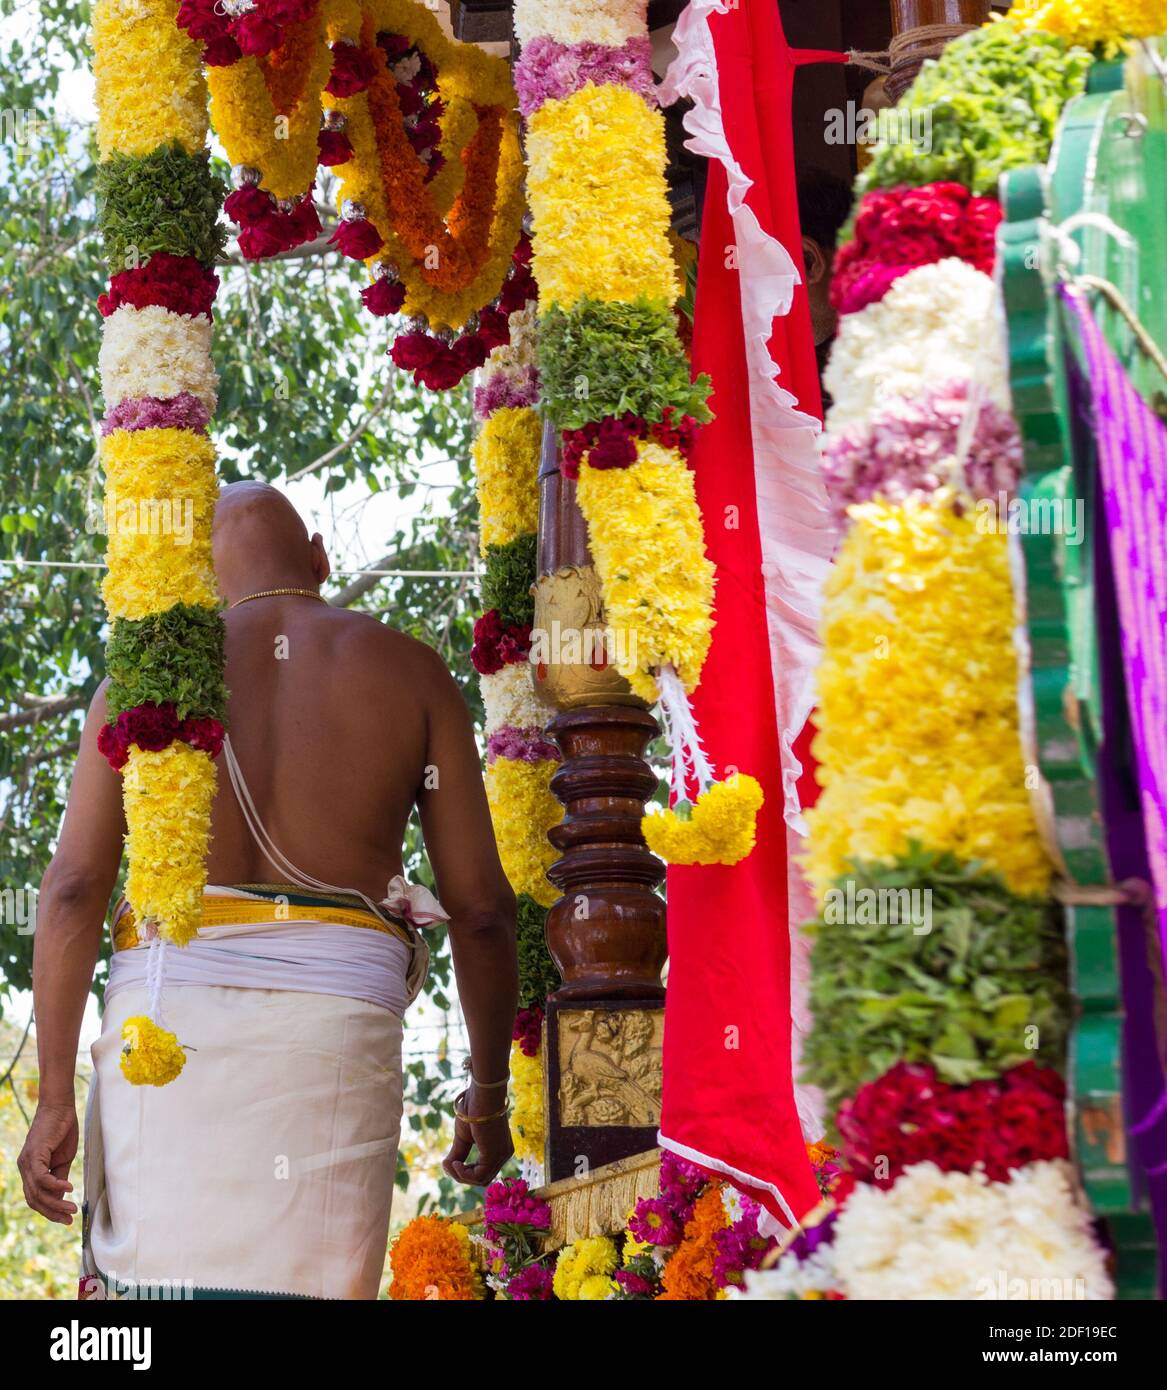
{"type": "Point", "coordinates": [907, 15]}
{"type": "Point", "coordinates": [606, 933]}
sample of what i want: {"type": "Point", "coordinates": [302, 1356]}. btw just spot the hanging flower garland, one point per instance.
{"type": "Point", "coordinates": [422, 134]}
{"type": "Point", "coordinates": [608, 287]}
{"type": "Point", "coordinates": [520, 759]}
{"type": "Point", "coordinates": [938, 1042]}
{"type": "Point", "coordinates": [158, 207]}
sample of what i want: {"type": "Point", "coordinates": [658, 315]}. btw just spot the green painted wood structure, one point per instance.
{"type": "Point", "coordinates": [1110, 158]}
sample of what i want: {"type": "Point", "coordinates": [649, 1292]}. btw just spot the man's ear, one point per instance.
{"type": "Point", "coordinates": [321, 569]}
{"type": "Point", "coordinates": [815, 259]}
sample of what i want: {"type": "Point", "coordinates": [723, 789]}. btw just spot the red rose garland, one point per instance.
{"type": "Point", "coordinates": [899, 229]}
{"type": "Point", "coordinates": [153, 728]}
{"type": "Point", "coordinates": [611, 442]}
{"type": "Point", "coordinates": [498, 644]}
{"type": "Point", "coordinates": [178, 283]}
{"type": "Point", "coordinates": [910, 1116]}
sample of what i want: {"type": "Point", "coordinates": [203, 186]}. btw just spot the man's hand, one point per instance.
{"type": "Point", "coordinates": [45, 1161]}
{"type": "Point", "coordinates": [492, 1140]}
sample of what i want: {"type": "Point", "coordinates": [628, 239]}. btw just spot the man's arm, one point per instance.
{"type": "Point", "coordinates": [71, 907]}
{"type": "Point", "coordinates": [472, 887]}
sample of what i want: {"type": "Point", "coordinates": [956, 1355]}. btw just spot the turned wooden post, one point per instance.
{"type": "Point", "coordinates": [607, 933]}
{"type": "Point", "coordinates": [909, 15]}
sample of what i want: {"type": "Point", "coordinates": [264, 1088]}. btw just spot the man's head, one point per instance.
{"type": "Point", "coordinates": [261, 543]}
{"type": "Point", "coordinates": [824, 204]}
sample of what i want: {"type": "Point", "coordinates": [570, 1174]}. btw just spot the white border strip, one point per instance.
{"type": "Point", "coordinates": [768, 1223]}
{"type": "Point", "coordinates": [798, 535]}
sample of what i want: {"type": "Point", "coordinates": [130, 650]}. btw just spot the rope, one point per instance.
{"type": "Point", "coordinates": [20, 564]}
{"type": "Point", "coordinates": [1115, 298]}
{"type": "Point", "coordinates": [909, 49]}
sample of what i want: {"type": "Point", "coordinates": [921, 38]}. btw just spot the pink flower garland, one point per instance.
{"type": "Point", "coordinates": [908, 446]}
{"type": "Point", "coordinates": [181, 412]}
{"type": "Point", "coordinates": [898, 229]}
{"type": "Point", "coordinates": [549, 70]}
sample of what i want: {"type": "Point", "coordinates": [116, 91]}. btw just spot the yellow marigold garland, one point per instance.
{"type": "Point", "coordinates": [527, 1120]}
{"type": "Point", "coordinates": [609, 238]}
{"type": "Point", "coordinates": [583, 1270]}
{"type": "Point", "coordinates": [506, 464]}
{"type": "Point", "coordinates": [149, 84]}
{"type": "Point", "coordinates": [151, 1056]}
{"type": "Point", "coordinates": [720, 828]}
{"type": "Point", "coordinates": [918, 693]}
{"type": "Point", "coordinates": [1092, 22]}
{"type": "Point", "coordinates": [431, 1261]}
{"type": "Point", "coordinates": [168, 796]}
{"type": "Point", "coordinates": [645, 531]}
{"type": "Point", "coordinates": [522, 806]}
{"type": "Point", "coordinates": [244, 118]}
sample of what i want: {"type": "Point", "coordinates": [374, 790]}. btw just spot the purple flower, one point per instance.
{"type": "Point", "coordinates": [550, 70]}
{"type": "Point", "coordinates": [181, 412]}
{"type": "Point", "coordinates": [805, 1244]}
{"type": "Point", "coordinates": [656, 1223]}
{"type": "Point", "coordinates": [509, 1203]}
{"type": "Point", "coordinates": [531, 1284]}
{"type": "Point", "coordinates": [520, 745]}
{"type": "Point", "coordinates": [634, 1285]}
{"type": "Point", "coordinates": [740, 1246]}
{"type": "Point", "coordinates": [501, 390]}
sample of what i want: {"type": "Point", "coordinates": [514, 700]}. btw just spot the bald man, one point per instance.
{"type": "Point", "coordinates": [266, 1168]}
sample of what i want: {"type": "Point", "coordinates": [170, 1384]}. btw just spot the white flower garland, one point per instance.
{"type": "Point", "coordinates": [937, 1235]}
{"type": "Point", "coordinates": [156, 352]}
{"type": "Point", "coordinates": [577, 21]}
{"type": "Point", "coordinates": [937, 323]}
{"type": "Point", "coordinates": [510, 700]}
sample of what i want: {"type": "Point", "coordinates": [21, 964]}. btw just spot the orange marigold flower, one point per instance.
{"type": "Point", "coordinates": [688, 1276]}
{"type": "Point", "coordinates": [430, 1261]}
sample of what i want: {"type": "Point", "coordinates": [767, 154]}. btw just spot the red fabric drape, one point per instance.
{"type": "Point", "coordinates": [728, 1092]}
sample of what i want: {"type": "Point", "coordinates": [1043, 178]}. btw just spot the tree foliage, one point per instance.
{"type": "Point", "coordinates": [306, 390]}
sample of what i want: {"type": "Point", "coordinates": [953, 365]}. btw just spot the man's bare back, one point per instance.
{"type": "Point", "coordinates": [330, 718]}
{"type": "Point", "coordinates": [340, 726]}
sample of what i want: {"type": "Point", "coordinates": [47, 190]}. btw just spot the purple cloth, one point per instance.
{"type": "Point", "coordinates": [548, 70]}
{"type": "Point", "coordinates": [1132, 446]}
{"type": "Point", "coordinates": [1132, 451]}
{"type": "Point", "coordinates": [181, 412]}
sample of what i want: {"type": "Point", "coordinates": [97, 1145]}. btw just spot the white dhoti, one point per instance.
{"type": "Point", "coordinates": [267, 1167]}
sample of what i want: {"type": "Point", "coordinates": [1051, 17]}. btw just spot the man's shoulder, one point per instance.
{"type": "Point", "coordinates": [368, 641]}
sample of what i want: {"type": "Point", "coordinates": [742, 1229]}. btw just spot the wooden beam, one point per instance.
{"type": "Point", "coordinates": [664, 12]}
{"type": "Point", "coordinates": [481, 21]}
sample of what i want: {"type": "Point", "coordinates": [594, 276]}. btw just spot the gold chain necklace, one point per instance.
{"type": "Point", "coordinates": [279, 593]}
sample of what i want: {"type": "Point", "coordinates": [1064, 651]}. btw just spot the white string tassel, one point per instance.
{"type": "Point", "coordinates": [690, 763]}
{"type": "Point", "coordinates": [531, 1172]}
{"type": "Point", "coordinates": [156, 978]}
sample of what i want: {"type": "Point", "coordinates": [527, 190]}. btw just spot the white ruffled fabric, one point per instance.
{"type": "Point", "coordinates": [797, 533]}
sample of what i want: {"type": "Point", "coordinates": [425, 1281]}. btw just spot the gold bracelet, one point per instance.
{"type": "Point", "coordinates": [476, 1119]}
{"type": "Point", "coordinates": [483, 1085]}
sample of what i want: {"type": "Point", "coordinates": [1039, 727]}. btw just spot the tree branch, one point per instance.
{"type": "Point", "coordinates": [42, 707]}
